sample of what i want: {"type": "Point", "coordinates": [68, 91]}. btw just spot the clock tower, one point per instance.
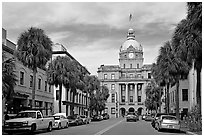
{"type": "Point", "coordinates": [131, 52]}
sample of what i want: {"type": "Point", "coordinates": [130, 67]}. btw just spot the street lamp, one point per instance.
{"type": "Point", "coordinates": [116, 104]}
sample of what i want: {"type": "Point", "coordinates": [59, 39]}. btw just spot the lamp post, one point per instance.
{"type": "Point", "coordinates": [116, 104]}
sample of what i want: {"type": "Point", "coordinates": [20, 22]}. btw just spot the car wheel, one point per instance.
{"type": "Point", "coordinates": [59, 126]}
{"type": "Point", "coordinates": [67, 125]}
{"type": "Point", "coordinates": [49, 129]}
{"type": "Point", "coordinates": [157, 126]}
{"type": "Point", "coordinates": [33, 128]}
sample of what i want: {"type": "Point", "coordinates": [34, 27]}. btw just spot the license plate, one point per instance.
{"type": "Point", "coordinates": [170, 126]}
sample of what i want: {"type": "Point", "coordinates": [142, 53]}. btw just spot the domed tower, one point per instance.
{"type": "Point", "coordinates": [131, 52]}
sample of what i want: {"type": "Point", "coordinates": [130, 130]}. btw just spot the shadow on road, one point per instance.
{"type": "Point", "coordinates": [171, 131]}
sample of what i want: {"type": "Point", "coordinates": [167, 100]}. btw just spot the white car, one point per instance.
{"type": "Point", "coordinates": [167, 122]}
{"type": "Point", "coordinates": [30, 120]}
{"type": "Point", "coordinates": [60, 121]}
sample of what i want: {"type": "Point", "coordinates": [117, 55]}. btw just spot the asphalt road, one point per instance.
{"type": "Point", "coordinates": [114, 126]}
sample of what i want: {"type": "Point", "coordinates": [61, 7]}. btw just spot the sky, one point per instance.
{"type": "Point", "coordinates": [93, 32]}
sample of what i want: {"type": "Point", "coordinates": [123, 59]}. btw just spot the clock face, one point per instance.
{"type": "Point", "coordinates": [131, 55]}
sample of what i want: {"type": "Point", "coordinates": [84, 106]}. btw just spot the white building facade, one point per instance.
{"type": "Point", "coordinates": [127, 81]}
{"type": "Point", "coordinates": [80, 106]}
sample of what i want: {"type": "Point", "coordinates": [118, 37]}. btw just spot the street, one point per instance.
{"type": "Point", "coordinates": [114, 126]}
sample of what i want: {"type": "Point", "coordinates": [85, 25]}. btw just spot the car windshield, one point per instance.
{"type": "Point", "coordinates": [169, 117]}
{"type": "Point", "coordinates": [159, 114]}
{"type": "Point", "coordinates": [26, 115]}
{"type": "Point", "coordinates": [71, 117]}
{"type": "Point", "coordinates": [56, 117]}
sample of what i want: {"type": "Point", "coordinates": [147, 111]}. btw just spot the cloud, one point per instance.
{"type": "Point", "coordinates": [94, 31]}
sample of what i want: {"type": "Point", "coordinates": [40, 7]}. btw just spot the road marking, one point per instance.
{"type": "Point", "coordinates": [108, 128]}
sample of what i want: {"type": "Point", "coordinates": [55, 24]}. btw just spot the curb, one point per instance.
{"type": "Point", "coordinates": [188, 132]}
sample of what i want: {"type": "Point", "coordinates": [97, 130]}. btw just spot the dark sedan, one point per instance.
{"type": "Point", "coordinates": [131, 116]}
{"type": "Point", "coordinates": [149, 117]}
{"type": "Point", "coordinates": [105, 116]}
{"type": "Point", "coordinates": [75, 120]}
{"type": "Point", "coordinates": [97, 118]}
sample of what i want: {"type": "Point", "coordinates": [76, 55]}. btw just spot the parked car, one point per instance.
{"type": "Point", "coordinates": [86, 120]}
{"type": "Point", "coordinates": [30, 120]}
{"type": "Point", "coordinates": [97, 118]}
{"type": "Point", "coordinates": [75, 120]}
{"type": "Point", "coordinates": [167, 122]}
{"type": "Point", "coordinates": [149, 117]}
{"type": "Point", "coordinates": [131, 116]}
{"type": "Point", "coordinates": [105, 116]}
{"type": "Point", "coordinates": [60, 121]}
{"type": "Point", "coordinates": [155, 117]}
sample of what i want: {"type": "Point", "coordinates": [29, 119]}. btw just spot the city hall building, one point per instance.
{"type": "Point", "coordinates": [127, 81]}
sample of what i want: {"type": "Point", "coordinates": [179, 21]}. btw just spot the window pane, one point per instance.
{"type": "Point", "coordinates": [131, 98]}
{"type": "Point", "coordinates": [105, 76]}
{"type": "Point", "coordinates": [21, 78]}
{"type": "Point", "coordinates": [39, 83]}
{"type": "Point", "coordinates": [113, 98]}
{"type": "Point", "coordinates": [45, 85]}
{"type": "Point", "coordinates": [31, 81]}
{"type": "Point", "coordinates": [112, 110]}
{"type": "Point", "coordinates": [112, 86]}
{"type": "Point", "coordinates": [112, 76]}
{"type": "Point", "coordinates": [139, 98]}
{"type": "Point", "coordinates": [185, 94]}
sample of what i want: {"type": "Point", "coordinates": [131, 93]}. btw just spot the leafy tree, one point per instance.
{"type": "Point", "coordinates": [153, 96]}
{"type": "Point", "coordinates": [8, 77]}
{"type": "Point", "coordinates": [99, 94]}
{"type": "Point", "coordinates": [34, 50]}
{"type": "Point", "coordinates": [91, 84]}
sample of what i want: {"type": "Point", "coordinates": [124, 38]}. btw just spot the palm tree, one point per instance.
{"type": "Point", "coordinates": [8, 77]}
{"type": "Point", "coordinates": [173, 68]}
{"type": "Point", "coordinates": [34, 51]}
{"type": "Point", "coordinates": [187, 41]}
{"type": "Point", "coordinates": [58, 75]}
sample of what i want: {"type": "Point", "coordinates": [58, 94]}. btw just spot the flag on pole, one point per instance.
{"type": "Point", "coordinates": [130, 17]}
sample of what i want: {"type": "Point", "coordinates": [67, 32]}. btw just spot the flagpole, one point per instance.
{"type": "Point", "coordinates": [130, 20]}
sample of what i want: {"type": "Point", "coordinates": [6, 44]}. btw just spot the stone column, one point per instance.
{"type": "Point", "coordinates": [126, 92]}
{"type": "Point", "coordinates": [136, 93]}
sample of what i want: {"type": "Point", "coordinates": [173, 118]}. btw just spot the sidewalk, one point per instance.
{"type": "Point", "coordinates": [184, 127]}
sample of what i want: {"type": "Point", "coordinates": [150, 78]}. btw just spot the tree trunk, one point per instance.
{"type": "Point", "coordinates": [160, 101]}
{"type": "Point", "coordinates": [60, 98]}
{"type": "Point", "coordinates": [177, 100]}
{"type": "Point", "coordinates": [33, 88]}
{"type": "Point", "coordinates": [198, 89]}
{"type": "Point", "coordinates": [167, 99]}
